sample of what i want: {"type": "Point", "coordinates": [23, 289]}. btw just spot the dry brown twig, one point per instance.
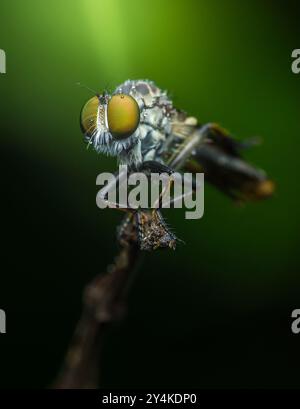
{"type": "Point", "coordinates": [104, 302]}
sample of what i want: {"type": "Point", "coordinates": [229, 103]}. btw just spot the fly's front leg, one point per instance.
{"type": "Point", "coordinates": [153, 231]}
{"type": "Point", "coordinates": [161, 169]}
{"type": "Point", "coordinates": [107, 196]}
{"type": "Point", "coordinates": [155, 167]}
{"type": "Point", "coordinates": [147, 227]}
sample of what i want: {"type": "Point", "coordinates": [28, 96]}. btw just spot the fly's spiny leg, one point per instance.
{"type": "Point", "coordinates": [157, 167]}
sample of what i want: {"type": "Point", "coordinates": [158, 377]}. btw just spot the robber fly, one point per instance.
{"type": "Point", "coordinates": [139, 125]}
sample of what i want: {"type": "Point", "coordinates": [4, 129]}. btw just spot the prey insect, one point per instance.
{"type": "Point", "coordinates": [139, 125]}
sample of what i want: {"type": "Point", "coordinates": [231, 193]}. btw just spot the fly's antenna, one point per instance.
{"type": "Point", "coordinates": [88, 88]}
{"type": "Point", "coordinates": [107, 88]}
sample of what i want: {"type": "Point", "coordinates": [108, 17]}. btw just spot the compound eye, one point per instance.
{"type": "Point", "coordinates": [88, 116]}
{"type": "Point", "coordinates": [123, 115]}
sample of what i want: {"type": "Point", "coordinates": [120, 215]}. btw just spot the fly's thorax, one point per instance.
{"type": "Point", "coordinates": [156, 111]}
{"type": "Point", "coordinates": [182, 129]}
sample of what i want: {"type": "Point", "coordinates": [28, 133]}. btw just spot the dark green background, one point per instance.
{"type": "Point", "coordinates": [214, 313]}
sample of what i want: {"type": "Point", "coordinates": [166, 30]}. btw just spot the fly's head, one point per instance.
{"type": "Point", "coordinates": [110, 122]}
{"type": "Point", "coordinates": [128, 124]}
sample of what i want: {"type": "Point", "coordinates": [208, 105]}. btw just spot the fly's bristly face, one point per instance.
{"type": "Point", "coordinates": [109, 123]}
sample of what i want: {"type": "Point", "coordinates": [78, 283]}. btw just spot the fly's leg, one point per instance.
{"type": "Point", "coordinates": [147, 227]}
{"type": "Point", "coordinates": [155, 167]}
{"type": "Point", "coordinates": [153, 231]}
{"type": "Point", "coordinates": [111, 187]}
{"type": "Point", "coordinates": [160, 168]}
{"type": "Point", "coordinates": [126, 232]}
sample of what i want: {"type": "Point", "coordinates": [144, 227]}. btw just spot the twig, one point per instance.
{"type": "Point", "coordinates": [104, 301]}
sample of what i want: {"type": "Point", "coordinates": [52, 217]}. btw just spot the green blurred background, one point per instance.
{"type": "Point", "coordinates": [214, 313]}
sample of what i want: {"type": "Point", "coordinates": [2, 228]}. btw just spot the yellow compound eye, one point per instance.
{"type": "Point", "coordinates": [88, 116]}
{"type": "Point", "coordinates": [123, 115]}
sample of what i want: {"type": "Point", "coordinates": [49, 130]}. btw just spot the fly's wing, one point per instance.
{"type": "Point", "coordinates": [219, 157]}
